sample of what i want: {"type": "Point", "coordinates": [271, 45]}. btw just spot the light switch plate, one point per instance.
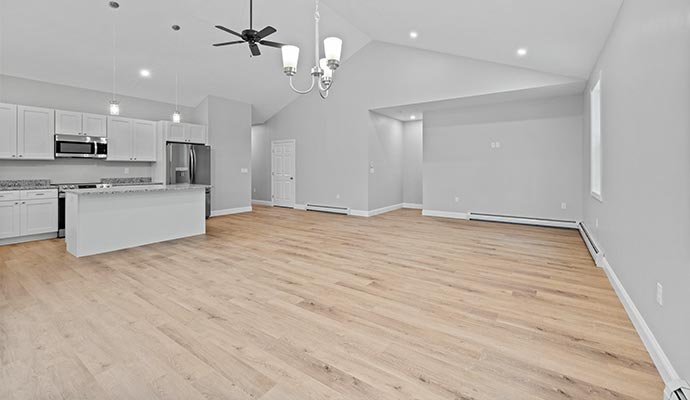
{"type": "Point", "coordinates": [244, 170]}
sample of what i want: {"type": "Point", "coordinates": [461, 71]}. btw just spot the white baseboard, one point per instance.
{"type": "Point", "coordinates": [29, 238]}
{"type": "Point", "coordinates": [302, 207]}
{"type": "Point", "coordinates": [525, 221]}
{"type": "Point", "coordinates": [229, 211]}
{"type": "Point", "coordinates": [445, 214]}
{"type": "Point", "coordinates": [263, 203]}
{"type": "Point", "coordinates": [413, 206]}
{"type": "Point", "coordinates": [584, 230]}
{"type": "Point", "coordinates": [378, 211]}
{"type": "Point", "coordinates": [359, 213]}
{"type": "Point", "coordinates": [663, 364]}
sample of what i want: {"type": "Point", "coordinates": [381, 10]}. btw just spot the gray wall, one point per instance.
{"type": "Point", "coordinates": [261, 164]}
{"type": "Point", "coordinates": [413, 167]}
{"type": "Point", "coordinates": [386, 154]}
{"type": "Point", "coordinates": [42, 94]}
{"type": "Point", "coordinates": [333, 135]}
{"type": "Point", "coordinates": [537, 167]}
{"type": "Point", "coordinates": [644, 219]}
{"type": "Point", "coordinates": [229, 134]}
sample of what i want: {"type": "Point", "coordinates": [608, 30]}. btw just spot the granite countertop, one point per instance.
{"type": "Point", "coordinates": [131, 181]}
{"type": "Point", "coordinates": [25, 184]}
{"type": "Point", "coordinates": [138, 188]}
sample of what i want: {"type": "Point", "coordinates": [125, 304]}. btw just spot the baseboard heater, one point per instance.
{"type": "Point", "coordinates": [328, 209]}
{"type": "Point", "coordinates": [588, 239]}
{"type": "Point", "coordinates": [678, 394]}
{"type": "Point", "coordinates": [510, 219]}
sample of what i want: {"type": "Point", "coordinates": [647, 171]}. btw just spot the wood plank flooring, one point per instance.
{"type": "Point", "coordinates": [281, 304]}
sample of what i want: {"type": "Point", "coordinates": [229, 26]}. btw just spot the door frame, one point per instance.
{"type": "Point", "coordinates": [294, 181]}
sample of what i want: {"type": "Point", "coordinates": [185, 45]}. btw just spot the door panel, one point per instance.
{"type": "Point", "coordinates": [120, 139]}
{"type": "Point", "coordinates": [178, 163]}
{"type": "Point", "coordinates": [68, 122]}
{"type": "Point", "coordinates": [94, 125]}
{"type": "Point", "coordinates": [176, 132]}
{"type": "Point", "coordinates": [36, 133]}
{"type": "Point", "coordinates": [10, 216]}
{"type": "Point", "coordinates": [39, 216]}
{"type": "Point", "coordinates": [144, 140]}
{"type": "Point", "coordinates": [197, 134]}
{"type": "Point", "coordinates": [283, 174]}
{"type": "Point", "coordinates": [8, 131]}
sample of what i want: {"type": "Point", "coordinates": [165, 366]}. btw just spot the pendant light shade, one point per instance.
{"type": "Point", "coordinates": [176, 117]}
{"type": "Point", "coordinates": [114, 107]}
{"type": "Point", "coordinates": [332, 47]}
{"type": "Point", "coordinates": [290, 58]}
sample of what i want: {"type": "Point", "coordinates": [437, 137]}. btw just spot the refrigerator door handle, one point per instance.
{"type": "Point", "coordinates": [171, 173]}
{"type": "Point", "coordinates": [192, 164]}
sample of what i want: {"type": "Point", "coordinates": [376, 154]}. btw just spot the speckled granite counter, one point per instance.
{"type": "Point", "coordinates": [137, 189]}
{"type": "Point", "coordinates": [24, 184]}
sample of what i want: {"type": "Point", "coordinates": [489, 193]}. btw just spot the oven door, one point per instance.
{"type": "Point", "coordinates": [72, 146]}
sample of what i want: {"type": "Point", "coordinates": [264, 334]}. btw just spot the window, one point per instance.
{"type": "Point", "coordinates": [595, 141]}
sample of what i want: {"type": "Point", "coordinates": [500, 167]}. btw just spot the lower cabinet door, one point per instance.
{"type": "Point", "coordinates": [39, 216]}
{"type": "Point", "coordinates": [10, 216]}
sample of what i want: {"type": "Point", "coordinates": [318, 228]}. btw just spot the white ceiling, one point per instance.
{"type": "Point", "coordinates": [563, 37]}
{"type": "Point", "coordinates": [70, 42]}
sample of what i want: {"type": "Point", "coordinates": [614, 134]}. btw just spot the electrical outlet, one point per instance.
{"type": "Point", "coordinates": [337, 196]}
{"type": "Point", "coordinates": [457, 199]}
{"type": "Point", "coordinates": [498, 145]}
{"type": "Point", "coordinates": [659, 294]}
{"type": "Point", "coordinates": [126, 171]}
{"type": "Point", "coordinates": [564, 206]}
{"type": "Point", "coordinates": [244, 170]}
{"type": "Point", "coordinates": [371, 170]}
{"type": "Point", "coordinates": [493, 145]}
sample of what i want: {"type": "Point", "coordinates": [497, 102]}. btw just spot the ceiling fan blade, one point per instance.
{"type": "Point", "coordinates": [255, 49]}
{"type": "Point", "coordinates": [271, 44]}
{"type": "Point", "coordinates": [269, 30]}
{"type": "Point", "coordinates": [222, 28]}
{"type": "Point", "coordinates": [227, 43]}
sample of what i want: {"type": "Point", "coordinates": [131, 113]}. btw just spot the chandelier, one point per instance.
{"type": "Point", "coordinates": [324, 68]}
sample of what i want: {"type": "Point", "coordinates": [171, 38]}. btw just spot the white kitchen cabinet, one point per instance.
{"type": "Point", "coordinates": [27, 213]}
{"type": "Point", "coordinates": [35, 133]}
{"type": "Point", "coordinates": [144, 140]}
{"type": "Point", "coordinates": [67, 122]}
{"type": "Point", "coordinates": [131, 140]}
{"type": "Point", "coordinates": [10, 219]}
{"type": "Point", "coordinates": [94, 125]}
{"type": "Point", "coordinates": [38, 216]}
{"type": "Point", "coordinates": [8, 131]}
{"type": "Point", "coordinates": [76, 123]}
{"type": "Point", "coordinates": [185, 133]}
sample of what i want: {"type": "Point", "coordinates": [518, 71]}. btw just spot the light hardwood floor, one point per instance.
{"type": "Point", "coordinates": [281, 304]}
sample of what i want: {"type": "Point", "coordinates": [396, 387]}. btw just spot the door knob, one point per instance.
{"type": "Point", "coordinates": [292, 178]}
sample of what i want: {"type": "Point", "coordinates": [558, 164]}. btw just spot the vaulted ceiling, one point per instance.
{"type": "Point", "coordinates": [70, 42]}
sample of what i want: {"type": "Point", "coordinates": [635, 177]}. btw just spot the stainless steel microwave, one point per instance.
{"type": "Point", "coordinates": [74, 146]}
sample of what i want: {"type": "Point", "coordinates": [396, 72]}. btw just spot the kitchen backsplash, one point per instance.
{"type": "Point", "coordinates": [71, 171]}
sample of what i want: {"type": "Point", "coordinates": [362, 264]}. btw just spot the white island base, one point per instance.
{"type": "Point", "coordinates": [103, 220]}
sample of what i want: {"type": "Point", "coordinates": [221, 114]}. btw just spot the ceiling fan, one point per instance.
{"type": "Point", "coordinates": [250, 36]}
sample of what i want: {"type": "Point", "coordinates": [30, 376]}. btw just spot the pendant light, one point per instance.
{"type": "Point", "coordinates": [114, 106]}
{"type": "Point", "coordinates": [177, 117]}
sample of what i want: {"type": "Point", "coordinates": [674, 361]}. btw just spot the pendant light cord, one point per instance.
{"type": "Point", "coordinates": [114, 52]}
{"type": "Point", "coordinates": [317, 17]}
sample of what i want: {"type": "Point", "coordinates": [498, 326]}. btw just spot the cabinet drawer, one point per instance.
{"type": "Point", "coordinates": [9, 195]}
{"type": "Point", "coordinates": [39, 194]}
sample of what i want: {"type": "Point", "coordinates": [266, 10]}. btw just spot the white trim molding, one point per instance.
{"type": "Point", "coordinates": [378, 211]}
{"type": "Point", "coordinates": [230, 211]}
{"type": "Point", "coordinates": [263, 203]}
{"type": "Point", "coordinates": [445, 214]}
{"type": "Point", "coordinates": [29, 238]}
{"type": "Point", "coordinates": [663, 364]}
{"type": "Point", "coordinates": [413, 206]}
{"type": "Point", "coordinates": [302, 207]}
{"type": "Point", "coordinates": [590, 241]}
{"type": "Point", "coordinates": [524, 221]}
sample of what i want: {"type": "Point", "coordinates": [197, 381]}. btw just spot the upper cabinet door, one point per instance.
{"type": "Point", "coordinates": [144, 140]}
{"type": "Point", "coordinates": [8, 131]}
{"type": "Point", "coordinates": [198, 134]}
{"type": "Point", "coordinates": [176, 132]}
{"type": "Point", "coordinates": [94, 125]}
{"type": "Point", "coordinates": [67, 122]}
{"type": "Point", "coordinates": [119, 139]}
{"type": "Point", "coordinates": [35, 127]}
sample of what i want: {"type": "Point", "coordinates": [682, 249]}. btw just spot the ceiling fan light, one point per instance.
{"type": "Point", "coordinates": [176, 117]}
{"type": "Point", "coordinates": [114, 107]}
{"type": "Point", "coordinates": [333, 47]}
{"type": "Point", "coordinates": [290, 59]}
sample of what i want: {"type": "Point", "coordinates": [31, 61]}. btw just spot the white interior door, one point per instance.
{"type": "Point", "coordinates": [283, 172]}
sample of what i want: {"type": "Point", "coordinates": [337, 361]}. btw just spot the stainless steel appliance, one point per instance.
{"type": "Point", "coordinates": [190, 163]}
{"type": "Point", "coordinates": [74, 146]}
{"type": "Point", "coordinates": [61, 200]}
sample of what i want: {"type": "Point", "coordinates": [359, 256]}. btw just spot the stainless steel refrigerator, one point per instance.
{"type": "Point", "coordinates": [190, 163]}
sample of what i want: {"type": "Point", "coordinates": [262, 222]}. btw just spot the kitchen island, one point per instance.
{"type": "Point", "coordinates": [107, 219]}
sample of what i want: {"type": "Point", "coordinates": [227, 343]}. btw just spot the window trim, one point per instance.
{"type": "Point", "coordinates": [597, 195]}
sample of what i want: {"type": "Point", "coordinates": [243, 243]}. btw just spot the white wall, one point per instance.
{"type": "Point", "coordinates": [644, 219]}
{"type": "Point", "coordinates": [333, 135]}
{"type": "Point", "coordinates": [386, 154]}
{"type": "Point", "coordinates": [229, 134]}
{"type": "Point", "coordinates": [42, 94]}
{"type": "Point", "coordinates": [537, 167]}
{"type": "Point", "coordinates": [413, 166]}
{"type": "Point", "coordinates": [261, 164]}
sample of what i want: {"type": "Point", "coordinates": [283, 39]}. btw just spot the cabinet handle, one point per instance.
{"type": "Point", "coordinates": [21, 155]}
{"type": "Point", "coordinates": [39, 194]}
{"type": "Point", "coordinates": [14, 155]}
{"type": "Point", "coordinates": [23, 202]}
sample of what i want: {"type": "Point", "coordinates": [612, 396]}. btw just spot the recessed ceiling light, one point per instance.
{"type": "Point", "coordinates": [413, 117]}
{"type": "Point", "coordinates": [522, 52]}
{"type": "Point", "coordinates": [414, 35]}
{"type": "Point", "coordinates": [145, 73]}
